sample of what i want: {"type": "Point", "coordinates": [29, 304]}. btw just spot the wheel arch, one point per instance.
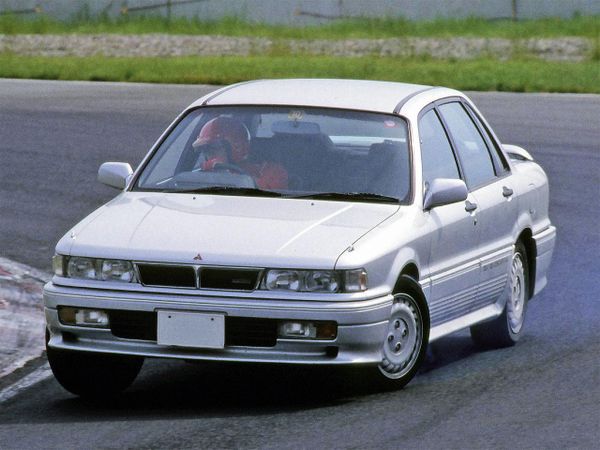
{"type": "Point", "coordinates": [406, 282]}
{"type": "Point", "coordinates": [526, 238]}
{"type": "Point", "coordinates": [411, 270]}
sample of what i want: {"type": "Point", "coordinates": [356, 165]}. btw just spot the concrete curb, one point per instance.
{"type": "Point", "coordinates": [21, 315]}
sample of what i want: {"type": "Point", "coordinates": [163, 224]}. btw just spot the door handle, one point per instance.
{"type": "Point", "coordinates": [470, 207]}
{"type": "Point", "coordinates": [506, 191]}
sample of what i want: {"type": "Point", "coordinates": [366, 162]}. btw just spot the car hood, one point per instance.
{"type": "Point", "coordinates": [223, 230]}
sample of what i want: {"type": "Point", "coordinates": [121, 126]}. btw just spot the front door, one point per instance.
{"type": "Point", "coordinates": [454, 257]}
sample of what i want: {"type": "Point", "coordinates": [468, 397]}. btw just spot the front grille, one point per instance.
{"type": "Point", "coordinates": [167, 275]}
{"type": "Point", "coordinates": [223, 278]}
{"type": "Point", "coordinates": [228, 279]}
{"type": "Point", "coordinates": [239, 331]}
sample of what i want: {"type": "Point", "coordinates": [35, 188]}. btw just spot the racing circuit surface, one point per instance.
{"type": "Point", "coordinates": [542, 393]}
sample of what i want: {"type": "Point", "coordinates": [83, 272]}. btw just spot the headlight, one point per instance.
{"type": "Point", "coordinates": [286, 280]}
{"type": "Point", "coordinates": [81, 268]}
{"type": "Point", "coordinates": [322, 281]}
{"type": "Point", "coordinates": [116, 270]}
{"type": "Point", "coordinates": [94, 269]}
{"type": "Point", "coordinates": [328, 281]}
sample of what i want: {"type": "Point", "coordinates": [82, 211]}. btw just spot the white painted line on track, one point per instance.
{"type": "Point", "coordinates": [134, 85]}
{"type": "Point", "coordinates": [86, 83]}
{"type": "Point", "coordinates": [40, 374]}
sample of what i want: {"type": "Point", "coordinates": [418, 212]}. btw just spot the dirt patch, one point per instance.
{"type": "Point", "coordinates": [21, 315]}
{"type": "Point", "coordinates": [164, 45]}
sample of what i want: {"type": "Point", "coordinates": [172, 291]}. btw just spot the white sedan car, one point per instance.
{"type": "Point", "coordinates": [303, 222]}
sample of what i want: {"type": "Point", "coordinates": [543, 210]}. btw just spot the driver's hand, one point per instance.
{"type": "Point", "coordinates": [210, 164]}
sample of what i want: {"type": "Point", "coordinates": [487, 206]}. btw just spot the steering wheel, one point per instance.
{"type": "Point", "coordinates": [230, 167]}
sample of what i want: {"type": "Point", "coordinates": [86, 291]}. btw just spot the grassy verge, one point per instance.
{"type": "Point", "coordinates": [526, 75]}
{"type": "Point", "coordinates": [338, 29]}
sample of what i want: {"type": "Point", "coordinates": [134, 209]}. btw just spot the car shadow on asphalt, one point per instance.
{"type": "Point", "coordinates": [171, 389]}
{"type": "Point", "coordinates": [448, 350]}
{"type": "Point", "coordinates": [179, 389]}
{"type": "Point", "coordinates": [176, 389]}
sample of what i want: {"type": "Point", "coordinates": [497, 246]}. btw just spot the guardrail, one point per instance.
{"type": "Point", "coordinates": [318, 15]}
{"type": "Point", "coordinates": [35, 10]}
{"type": "Point", "coordinates": [301, 12]}
{"type": "Point", "coordinates": [168, 4]}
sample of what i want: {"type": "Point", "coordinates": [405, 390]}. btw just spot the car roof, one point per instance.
{"type": "Point", "coordinates": [380, 96]}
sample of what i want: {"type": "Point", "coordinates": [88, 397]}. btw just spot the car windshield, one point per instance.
{"type": "Point", "coordinates": [296, 152]}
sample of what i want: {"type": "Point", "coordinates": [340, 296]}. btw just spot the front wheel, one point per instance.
{"type": "Point", "coordinates": [507, 328]}
{"type": "Point", "coordinates": [406, 339]}
{"type": "Point", "coordinates": [93, 375]}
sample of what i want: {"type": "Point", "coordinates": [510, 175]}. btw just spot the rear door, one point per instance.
{"type": "Point", "coordinates": [488, 180]}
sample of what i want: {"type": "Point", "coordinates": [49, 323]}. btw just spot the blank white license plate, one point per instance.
{"type": "Point", "coordinates": [190, 329]}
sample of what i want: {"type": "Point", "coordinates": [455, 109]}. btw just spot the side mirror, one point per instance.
{"type": "Point", "coordinates": [518, 153]}
{"type": "Point", "coordinates": [443, 191]}
{"type": "Point", "coordinates": [114, 174]}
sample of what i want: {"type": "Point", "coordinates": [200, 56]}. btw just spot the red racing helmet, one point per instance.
{"type": "Point", "coordinates": [231, 130]}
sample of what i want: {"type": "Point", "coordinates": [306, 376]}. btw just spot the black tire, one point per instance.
{"type": "Point", "coordinates": [505, 330]}
{"type": "Point", "coordinates": [93, 375]}
{"type": "Point", "coordinates": [405, 344]}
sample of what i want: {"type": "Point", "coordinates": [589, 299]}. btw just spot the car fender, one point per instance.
{"type": "Point", "coordinates": [385, 251]}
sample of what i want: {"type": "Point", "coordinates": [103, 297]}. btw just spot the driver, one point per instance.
{"type": "Point", "coordinates": [226, 141]}
{"type": "Point", "coordinates": [216, 153]}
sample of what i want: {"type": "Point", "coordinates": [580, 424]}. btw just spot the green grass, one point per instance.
{"type": "Point", "coordinates": [523, 75]}
{"type": "Point", "coordinates": [585, 26]}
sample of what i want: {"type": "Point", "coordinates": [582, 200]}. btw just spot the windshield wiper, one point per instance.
{"type": "Point", "coordinates": [360, 196]}
{"type": "Point", "coordinates": [230, 190]}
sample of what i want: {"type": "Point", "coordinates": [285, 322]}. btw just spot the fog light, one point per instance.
{"type": "Point", "coordinates": [83, 317]}
{"type": "Point", "coordinates": [297, 330]}
{"type": "Point", "coordinates": [308, 330]}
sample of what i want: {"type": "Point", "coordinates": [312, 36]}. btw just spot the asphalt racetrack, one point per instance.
{"type": "Point", "coordinates": [542, 393]}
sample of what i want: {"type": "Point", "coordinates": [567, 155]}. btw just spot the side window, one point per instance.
{"type": "Point", "coordinates": [499, 158]}
{"type": "Point", "coordinates": [436, 152]}
{"type": "Point", "coordinates": [471, 147]}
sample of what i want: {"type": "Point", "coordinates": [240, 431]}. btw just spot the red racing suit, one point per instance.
{"type": "Point", "coordinates": [267, 175]}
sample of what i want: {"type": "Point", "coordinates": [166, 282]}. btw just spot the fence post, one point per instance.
{"type": "Point", "coordinates": [514, 11]}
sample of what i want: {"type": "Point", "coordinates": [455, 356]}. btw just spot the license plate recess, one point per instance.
{"type": "Point", "coordinates": [191, 329]}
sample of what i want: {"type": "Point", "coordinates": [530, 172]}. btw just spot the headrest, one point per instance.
{"type": "Point", "coordinates": [296, 127]}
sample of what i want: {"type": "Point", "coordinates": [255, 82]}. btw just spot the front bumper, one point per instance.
{"type": "Point", "coordinates": [362, 326]}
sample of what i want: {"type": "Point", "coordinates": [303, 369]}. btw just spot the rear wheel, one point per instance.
{"type": "Point", "coordinates": [93, 375]}
{"type": "Point", "coordinates": [406, 339]}
{"type": "Point", "coordinates": [507, 329]}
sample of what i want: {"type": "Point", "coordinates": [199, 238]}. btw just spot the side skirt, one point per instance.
{"type": "Point", "coordinates": [481, 315]}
